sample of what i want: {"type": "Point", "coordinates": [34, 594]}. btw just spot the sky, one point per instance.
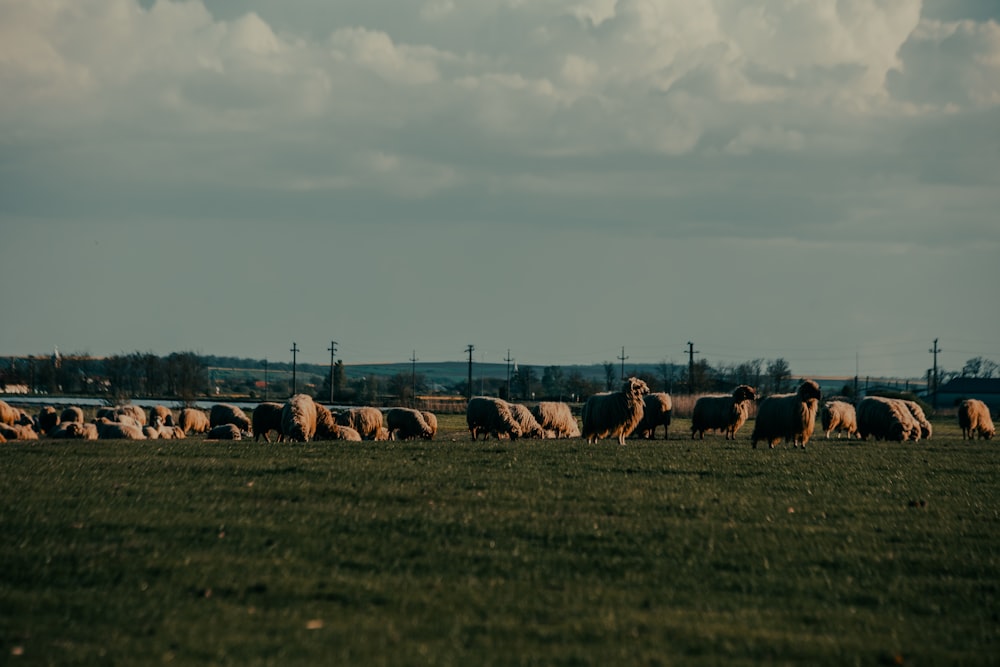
{"type": "Point", "coordinates": [816, 181]}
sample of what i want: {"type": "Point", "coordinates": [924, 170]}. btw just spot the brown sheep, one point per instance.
{"type": "Point", "coordinates": [557, 419]}
{"type": "Point", "coordinates": [530, 428]}
{"type": "Point", "coordinates": [788, 416]}
{"type": "Point", "coordinates": [366, 421]}
{"type": "Point", "coordinates": [112, 430]}
{"type": "Point", "coordinates": [160, 415]}
{"type": "Point", "coordinates": [726, 413]}
{"type": "Point", "coordinates": [614, 414]}
{"type": "Point", "coordinates": [432, 421]}
{"type": "Point", "coordinates": [133, 411]}
{"type": "Point", "coordinates": [8, 414]}
{"type": "Point", "coordinates": [974, 418]}
{"type": "Point", "coordinates": [926, 430]}
{"type": "Point", "coordinates": [406, 424]}
{"type": "Point", "coordinates": [224, 413]}
{"type": "Point", "coordinates": [885, 419]}
{"type": "Point", "coordinates": [47, 419]}
{"type": "Point", "coordinates": [266, 417]}
{"type": "Point", "coordinates": [18, 432]}
{"type": "Point", "coordinates": [486, 415]}
{"type": "Point", "coordinates": [193, 420]}
{"type": "Point", "coordinates": [839, 416]}
{"type": "Point", "coordinates": [657, 410]}
{"type": "Point", "coordinates": [225, 432]}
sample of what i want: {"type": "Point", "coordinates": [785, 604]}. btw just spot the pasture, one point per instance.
{"type": "Point", "coordinates": [451, 552]}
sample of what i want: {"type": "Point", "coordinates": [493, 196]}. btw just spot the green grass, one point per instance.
{"type": "Point", "coordinates": [538, 552]}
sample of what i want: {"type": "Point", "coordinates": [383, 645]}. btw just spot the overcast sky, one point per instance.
{"type": "Point", "coordinates": [818, 181]}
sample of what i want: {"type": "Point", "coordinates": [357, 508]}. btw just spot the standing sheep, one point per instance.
{"type": "Point", "coordinates": [656, 410]}
{"type": "Point", "coordinates": [926, 430]}
{"type": "Point", "coordinates": [885, 419]}
{"type": "Point", "coordinates": [725, 413]}
{"type": "Point", "coordinates": [366, 421]}
{"type": "Point", "coordinates": [298, 418]}
{"type": "Point", "coordinates": [266, 418]}
{"type": "Point", "coordinates": [406, 423]}
{"type": "Point", "coordinates": [193, 420]}
{"type": "Point", "coordinates": [839, 416]}
{"type": "Point", "coordinates": [974, 418]}
{"type": "Point", "coordinates": [557, 419]}
{"type": "Point", "coordinates": [224, 413]}
{"type": "Point", "coordinates": [432, 421]}
{"type": "Point", "coordinates": [788, 416]}
{"type": "Point", "coordinates": [530, 428]}
{"type": "Point", "coordinates": [487, 415]}
{"type": "Point", "coordinates": [614, 414]}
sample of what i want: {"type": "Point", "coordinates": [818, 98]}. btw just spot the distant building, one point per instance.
{"type": "Point", "coordinates": [954, 391]}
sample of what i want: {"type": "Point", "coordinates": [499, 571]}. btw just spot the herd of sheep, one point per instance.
{"type": "Point", "coordinates": [633, 411]}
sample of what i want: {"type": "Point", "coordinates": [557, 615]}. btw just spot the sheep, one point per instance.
{"type": "Point", "coordinates": [18, 432]}
{"type": "Point", "coordinates": [530, 428]}
{"type": "Point", "coordinates": [193, 420]}
{"type": "Point", "coordinates": [432, 421]}
{"type": "Point", "coordinates": [74, 430]}
{"type": "Point", "coordinates": [224, 413]}
{"type": "Point", "coordinates": [71, 414]}
{"type": "Point", "coordinates": [726, 413]}
{"type": "Point", "coordinates": [614, 414]}
{"type": "Point", "coordinates": [266, 418]}
{"type": "Point", "coordinates": [788, 416]}
{"type": "Point", "coordinates": [225, 432]}
{"type": "Point", "coordinates": [171, 433]}
{"type": "Point", "coordinates": [298, 418]}
{"type": "Point", "coordinates": [113, 430]}
{"type": "Point", "coordinates": [487, 415]}
{"type": "Point", "coordinates": [8, 414]}
{"type": "Point", "coordinates": [367, 421]}
{"type": "Point", "coordinates": [383, 434]}
{"type": "Point", "coordinates": [406, 423]}
{"type": "Point", "coordinates": [974, 418]}
{"type": "Point", "coordinates": [557, 419]}
{"type": "Point", "coordinates": [133, 411]}
{"type": "Point", "coordinates": [885, 419]}
{"type": "Point", "coordinates": [163, 413]}
{"type": "Point", "coordinates": [151, 432]}
{"type": "Point", "coordinates": [47, 419]}
{"type": "Point", "coordinates": [656, 410]}
{"type": "Point", "coordinates": [839, 416]}
{"type": "Point", "coordinates": [926, 430]}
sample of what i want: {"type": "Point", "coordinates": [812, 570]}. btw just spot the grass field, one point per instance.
{"type": "Point", "coordinates": [537, 552]}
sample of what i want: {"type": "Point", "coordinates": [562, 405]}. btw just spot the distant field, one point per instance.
{"type": "Point", "coordinates": [536, 552]}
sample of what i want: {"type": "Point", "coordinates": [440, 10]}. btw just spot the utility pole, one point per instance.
{"type": "Point", "coordinates": [333, 351]}
{"type": "Point", "coordinates": [691, 352]}
{"type": "Point", "coordinates": [413, 361]}
{"type": "Point", "coordinates": [622, 358]}
{"type": "Point", "coordinates": [265, 380]}
{"type": "Point", "coordinates": [469, 349]}
{"type": "Point", "coordinates": [508, 360]}
{"type": "Point", "coordinates": [934, 350]}
{"type": "Point", "coordinates": [294, 351]}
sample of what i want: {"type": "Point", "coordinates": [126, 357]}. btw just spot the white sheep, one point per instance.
{"type": "Point", "coordinates": [407, 423]}
{"type": "Point", "coordinates": [614, 414]}
{"type": "Point", "coordinates": [788, 416]}
{"type": "Point", "coordinates": [885, 419]}
{"type": "Point", "coordinates": [557, 419]}
{"type": "Point", "coordinates": [839, 416]}
{"type": "Point", "coordinates": [926, 430]}
{"type": "Point", "coordinates": [193, 420]}
{"type": "Point", "coordinates": [487, 415]}
{"type": "Point", "coordinates": [530, 428]}
{"type": "Point", "coordinates": [974, 418]}
{"type": "Point", "coordinates": [298, 418]}
{"type": "Point", "coordinates": [224, 413]}
{"type": "Point", "coordinates": [725, 413]}
{"type": "Point", "coordinates": [365, 420]}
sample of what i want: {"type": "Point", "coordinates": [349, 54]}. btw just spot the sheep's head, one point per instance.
{"type": "Point", "coordinates": [808, 390]}
{"type": "Point", "coordinates": [744, 393]}
{"type": "Point", "coordinates": [635, 388]}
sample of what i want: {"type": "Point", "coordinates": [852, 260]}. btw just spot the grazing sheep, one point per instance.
{"type": "Point", "coordinates": [161, 413]}
{"type": "Point", "coordinates": [367, 421]}
{"type": "Point", "coordinates": [725, 413]}
{"type": "Point", "coordinates": [530, 428]}
{"type": "Point", "coordinates": [885, 419]}
{"type": "Point", "coordinates": [974, 418]}
{"type": "Point", "coordinates": [383, 434]}
{"type": "Point", "coordinates": [557, 419]}
{"type": "Point", "coordinates": [657, 410]}
{"type": "Point", "coordinates": [18, 432]}
{"type": "Point", "coordinates": [432, 421]}
{"type": "Point", "coordinates": [225, 432]}
{"type": "Point", "coordinates": [487, 415]}
{"type": "Point", "coordinates": [926, 430]}
{"type": "Point", "coordinates": [298, 418]}
{"type": "Point", "coordinates": [224, 413]}
{"type": "Point", "coordinates": [266, 418]}
{"type": "Point", "coordinates": [788, 416]}
{"type": "Point", "coordinates": [47, 419]}
{"type": "Point", "coordinates": [406, 424]}
{"type": "Point", "coordinates": [113, 430]}
{"type": "Point", "coordinates": [193, 420]}
{"type": "Point", "coordinates": [71, 414]}
{"type": "Point", "coordinates": [614, 414]}
{"type": "Point", "coordinates": [841, 417]}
